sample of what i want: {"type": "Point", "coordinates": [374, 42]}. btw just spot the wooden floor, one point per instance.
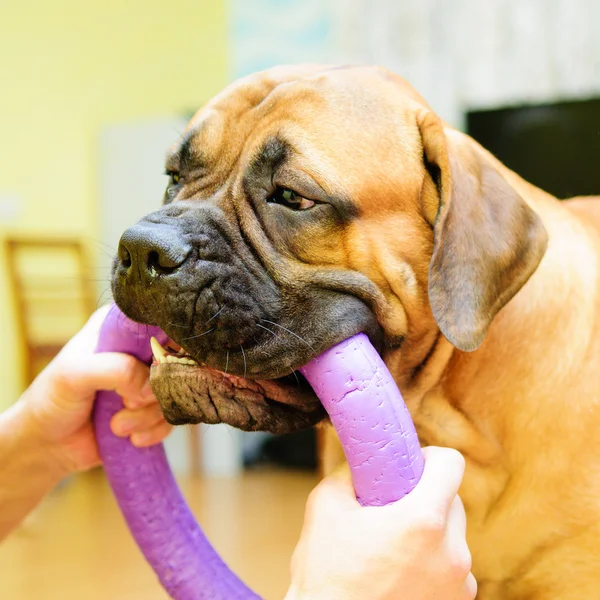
{"type": "Point", "coordinates": [76, 546]}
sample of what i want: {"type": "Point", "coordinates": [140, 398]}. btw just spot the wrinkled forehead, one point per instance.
{"type": "Point", "coordinates": [235, 101]}
{"type": "Point", "coordinates": [312, 104]}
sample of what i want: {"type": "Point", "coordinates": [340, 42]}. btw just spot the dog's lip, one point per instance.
{"type": "Point", "coordinates": [200, 394]}
{"type": "Point", "coordinates": [291, 390]}
{"type": "Point", "coordinates": [256, 372]}
{"type": "Point", "coordinates": [280, 390]}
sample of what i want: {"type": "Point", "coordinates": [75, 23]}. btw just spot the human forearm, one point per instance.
{"type": "Point", "coordinates": [28, 467]}
{"type": "Point", "coordinates": [49, 432]}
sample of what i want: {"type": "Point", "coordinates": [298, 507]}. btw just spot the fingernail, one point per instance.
{"type": "Point", "coordinates": [122, 427]}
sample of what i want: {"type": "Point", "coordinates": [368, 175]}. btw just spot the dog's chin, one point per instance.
{"type": "Point", "coordinates": [191, 393]}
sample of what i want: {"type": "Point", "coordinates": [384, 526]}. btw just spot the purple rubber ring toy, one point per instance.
{"type": "Point", "coordinates": [364, 405]}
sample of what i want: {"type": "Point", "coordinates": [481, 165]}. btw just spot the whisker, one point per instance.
{"type": "Point", "coordinates": [72, 278]}
{"type": "Point", "coordinates": [216, 314]}
{"type": "Point", "coordinates": [227, 362]}
{"type": "Point", "coordinates": [267, 329]}
{"type": "Point", "coordinates": [100, 299]}
{"type": "Point", "coordinates": [290, 332]}
{"type": "Point", "coordinates": [145, 311]}
{"type": "Point", "coordinates": [296, 376]}
{"type": "Point", "coordinates": [244, 355]}
{"type": "Point", "coordinates": [106, 253]}
{"type": "Point", "coordinates": [177, 326]}
{"type": "Point", "coordinates": [193, 337]}
{"type": "Point", "coordinates": [97, 241]}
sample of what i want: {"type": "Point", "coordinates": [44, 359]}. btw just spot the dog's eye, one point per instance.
{"type": "Point", "coordinates": [174, 176]}
{"type": "Point", "coordinates": [171, 190]}
{"type": "Point", "coordinates": [289, 198]}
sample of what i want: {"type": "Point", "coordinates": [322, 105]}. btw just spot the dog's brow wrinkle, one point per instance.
{"type": "Point", "coordinates": [189, 154]}
{"type": "Point", "coordinates": [271, 155]}
{"type": "Point", "coordinates": [185, 150]}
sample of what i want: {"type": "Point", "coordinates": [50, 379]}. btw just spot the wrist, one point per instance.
{"type": "Point", "coordinates": [28, 470]}
{"type": "Point", "coordinates": [32, 450]}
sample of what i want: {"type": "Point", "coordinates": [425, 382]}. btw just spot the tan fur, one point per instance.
{"type": "Point", "coordinates": [523, 408]}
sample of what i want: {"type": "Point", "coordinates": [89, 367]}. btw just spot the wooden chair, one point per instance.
{"type": "Point", "coordinates": [53, 296]}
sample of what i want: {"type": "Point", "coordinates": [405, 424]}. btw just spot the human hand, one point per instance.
{"type": "Point", "coordinates": [414, 548]}
{"type": "Point", "coordinates": [57, 407]}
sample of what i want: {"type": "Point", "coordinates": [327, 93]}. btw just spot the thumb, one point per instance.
{"type": "Point", "coordinates": [336, 491]}
{"type": "Point", "coordinates": [107, 371]}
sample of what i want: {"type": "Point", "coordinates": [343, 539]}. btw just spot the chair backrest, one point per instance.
{"type": "Point", "coordinates": [53, 295]}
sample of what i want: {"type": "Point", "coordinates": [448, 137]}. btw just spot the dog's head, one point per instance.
{"type": "Point", "coordinates": [305, 205]}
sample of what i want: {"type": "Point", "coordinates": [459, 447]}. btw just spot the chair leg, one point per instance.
{"type": "Point", "coordinates": [195, 449]}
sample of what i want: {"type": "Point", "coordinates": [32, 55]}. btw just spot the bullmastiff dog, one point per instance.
{"type": "Point", "coordinates": [306, 204]}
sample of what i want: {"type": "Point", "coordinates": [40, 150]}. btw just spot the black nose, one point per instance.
{"type": "Point", "coordinates": [149, 250]}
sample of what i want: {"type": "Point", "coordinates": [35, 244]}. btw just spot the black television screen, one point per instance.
{"type": "Point", "coordinates": [554, 146]}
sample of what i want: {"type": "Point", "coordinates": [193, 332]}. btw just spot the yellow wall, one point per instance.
{"type": "Point", "coordinates": [66, 68]}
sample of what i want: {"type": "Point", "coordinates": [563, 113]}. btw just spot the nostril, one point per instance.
{"type": "Point", "coordinates": [124, 256]}
{"type": "Point", "coordinates": [165, 262]}
{"type": "Point", "coordinates": [149, 251]}
{"type": "Point", "coordinates": [154, 266]}
{"type": "Point", "coordinates": [153, 260]}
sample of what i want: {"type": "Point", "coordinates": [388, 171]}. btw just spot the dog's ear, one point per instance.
{"type": "Point", "coordinates": [487, 241]}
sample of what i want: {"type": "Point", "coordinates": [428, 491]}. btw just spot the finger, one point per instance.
{"type": "Point", "coordinates": [339, 485]}
{"type": "Point", "coordinates": [457, 521]}
{"type": "Point", "coordinates": [86, 339]}
{"type": "Point", "coordinates": [94, 323]}
{"type": "Point", "coordinates": [335, 492]}
{"type": "Point", "coordinates": [341, 476]}
{"type": "Point", "coordinates": [146, 397]}
{"type": "Point", "coordinates": [455, 541]}
{"type": "Point", "coordinates": [127, 421]}
{"type": "Point", "coordinates": [111, 371]}
{"type": "Point", "coordinates": [151, 436]}
{"type": "Point", "coordinates": [470, 590]}
{"type": "Point", "coordinates": [442, 476]}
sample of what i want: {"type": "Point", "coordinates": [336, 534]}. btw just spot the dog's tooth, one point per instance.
{"type": "Point", "coordinates": [161, 356]}
{"type": "Point", "coordinates": [158, 351]}
{"type": "Point", "coordinates": [182, 360]}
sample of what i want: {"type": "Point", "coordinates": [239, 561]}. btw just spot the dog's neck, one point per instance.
{"type": "Point", "coordinates": [479, 402]}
